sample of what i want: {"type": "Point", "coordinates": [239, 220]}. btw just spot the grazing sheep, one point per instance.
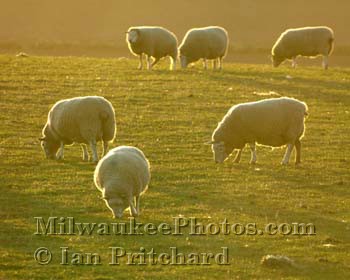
{"type": "Point", "coordinates": [153, 41]}
{"type": "Point", "coordinates": [306, 41]}
{"type": "Point", "coordinates": [207, 43]}
{"type": "Point", "coordinates": [272, 122]}
{"type": "Point", "coordinates": [124, 173]}
{"type": "Point", "coordinates": [83, 120]}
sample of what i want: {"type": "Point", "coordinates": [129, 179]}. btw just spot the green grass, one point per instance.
{"type": "Point", "coordinates": [169, 115]}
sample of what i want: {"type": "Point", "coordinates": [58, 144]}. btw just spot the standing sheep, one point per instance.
{"type": "Point", "coordinates": [272, 122]}
{"type": "Point", "coordinates": [207, 43]}
{"type": "Point", "coordinates": [83, 120]}
{"type": "Point", "coordinates": [153, 41]}
{"type": "Point", "coordinates": [306, 41]}
{"type": "Point", "coordinates": [124, 173]}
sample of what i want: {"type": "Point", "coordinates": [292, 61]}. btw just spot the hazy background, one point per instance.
{"type": "Point", "coordinates": [97, 27]}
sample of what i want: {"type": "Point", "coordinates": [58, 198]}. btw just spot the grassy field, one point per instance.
{"type": "Point", "coordinates": [169, 115]}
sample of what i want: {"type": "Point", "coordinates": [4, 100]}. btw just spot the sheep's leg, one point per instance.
{"type": "Point", "coordinates": [172, 63]}
{"type": "Point", "coordinates": [238, 156]}
{"type": "Point", "coordinates": [138, 204]}
{"type": "Point", "coordinates": [298, 151]}
{"type": "Point", "coordinates": [105, 148]}
{"type": "Point", "coordinates": [253, 153]}
{"type": "Point", "coordinates": [287, 154]}
{"type": "Point", "coordinates": [214, 64]}
{"type": "Point", "coordinates": [220, 63]}
{"type": "Point", "coordinates": [60, 153]}
{"type": "Point", "coordinates": [205, 64]}
{"type": "Point", "coordinates": [294, 62]}
{"type": "Point", "coordinates": [325, 62]}
{"type": "Point", "coordinates": [155, 61]}
{"type": "Point", "coordinates": [133, 211]}
{"type": "Point", "coordinates": [140, 63]}
{"type": "Point", "coordinates": [85, 152]}
{"type": "Point", "coordinates": [94, 151]}
{"type": "Point", "coordinates": [149, 64]}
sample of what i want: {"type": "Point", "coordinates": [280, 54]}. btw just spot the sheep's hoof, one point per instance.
{"type": "Point", "coordinates": [253, 162]}
{"type": "Point", "coordinates": [135, 214]}
{"type": "Point", "coordinates": [284, 163]}
{"type": "Point", "coordinates": [93, 160]}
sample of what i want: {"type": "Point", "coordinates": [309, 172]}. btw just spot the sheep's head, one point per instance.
{"type": "Point", "coordinates": [132, 36]}
{"type": "Point", "coordinates": [49, 147]}
{"type": "Point", "coordinates": [186, 59]}
{"type": "Point", "coordinates": [117, 204]}
{"type": "Point", "coordinates": [276, 60]}
{"type": "Point", "coordinates": [220, 151]}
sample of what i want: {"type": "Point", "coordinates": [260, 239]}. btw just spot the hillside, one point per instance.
{"type": "Point", "coordinates": [169, 115]}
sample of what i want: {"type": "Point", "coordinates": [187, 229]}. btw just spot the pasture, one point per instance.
{"type": "Point", "coordinates": [169, 115]}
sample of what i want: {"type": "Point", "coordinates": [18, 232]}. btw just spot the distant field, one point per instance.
{"type": "Point", "coordinates": [246, 55]}
{"type": "Point", "coordinates": [169, 115]}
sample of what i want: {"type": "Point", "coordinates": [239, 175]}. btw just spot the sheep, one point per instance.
{"type": "Point", "coordinates": [306, 41]}
{"type": "Point", "coordinates": [153, 41]}
{"type": "Point", "coordinates": [121, 175]}
{"type": "Point", "coordinates": [83, 120]}
{"type": "Point", "coordinates": [207, 43]}
{"type": "Point", "coordinates": [272, 122]}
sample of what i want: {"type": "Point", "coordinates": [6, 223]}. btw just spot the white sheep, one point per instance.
{"type": "Point", "coordinates": [121, 175]}
{"type": "Point", "coordinates": [207, 43]}
{"type": "Point", "coordinates": [153, 41]}
{"type": "Point", "coordinates": [83, 120]}
{"type": "Point", "coordinates": [306, 41]}
{"type": "Point", "coordinates": [272, 122]}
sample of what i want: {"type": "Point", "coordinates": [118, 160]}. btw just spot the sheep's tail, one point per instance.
{"type": "Point", "coordinates": [331, 45]}
{"type": "Point", "coordinates": [108, 125]}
